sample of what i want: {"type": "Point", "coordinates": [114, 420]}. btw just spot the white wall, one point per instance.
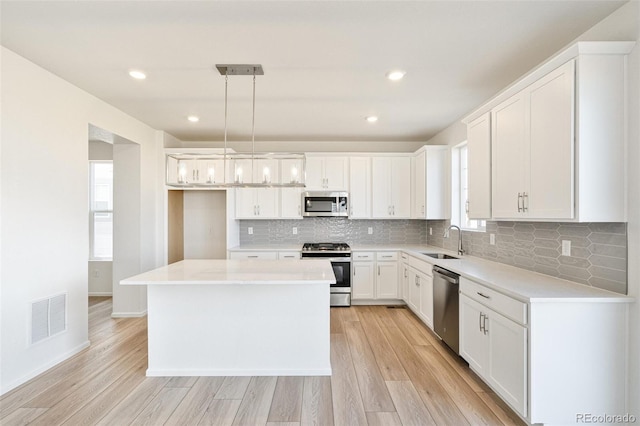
{"type": "Point", "coordinates": [622, 25]}
{"type": "Point", "coordinates": [100, 278]}
{"type": "Point", "coordinates": [44, 199]}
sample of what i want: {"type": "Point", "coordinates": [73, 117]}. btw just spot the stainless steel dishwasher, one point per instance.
{"type": "Point", "coordinates": [445, 306]}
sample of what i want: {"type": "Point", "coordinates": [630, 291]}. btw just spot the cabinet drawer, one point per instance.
{"type": "Point", "coordinates": [268, 255]}
{"type": "Point", "coordinates": [422, 266]}
{"type": "Point", "coordinates": [387, 255]}
{"type": "Point", "coordinates": [362, 255]}
{"type": "Point", "coordinates": [288, 255]}
{"type": "Point", "coordinates": [505, 305]}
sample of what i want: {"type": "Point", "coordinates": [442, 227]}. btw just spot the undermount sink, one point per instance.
{"type": "Point", "coordinates": [439, 255]}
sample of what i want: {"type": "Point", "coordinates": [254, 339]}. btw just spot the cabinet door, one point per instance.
{"type": "Point", "coordinates": [401, 188]}
{"type": "Point", "coordinates": [362, 280]}
{"type": "Point", "coordinates": [508, 360]}
{"type": "Point", "coordinates": [335, 173]}
{"type": "Point", "coordinates": [360, 188]}
{"type": "Point", "coordinates": [187, 171]}
{"type": "Point", "coordinates": [437, 184]}
{"type": "Point", "coordinates": [474, 345]}
{"type": "Point", "coordinates": [290, 203]}
{"type": "Point", "coordinates": [551, 155]}
{"type": "Point", "coordinates": [245, 203]}
{"type": "Point", "coordinates": [479, 167]}
{"type": "Point", "coordinates": [403, 280]}
{"type": "Point", "coordinates": [291, 171]}
{"type": "Point", "coordinates": [381, 187]}
{"type": "Point", "coordinates": [387, 280]}
{"type": "Point", "coordinates": [414, 291]}
{"type": "Point", "coordinates": [314, 173]}
{"type": "Point", "coordinates": [426, 298]}
{"type": "Point", "coordinates": [267, 203]}
{"type": "Point", "coordinates": [419, 208]}
{"type": "Point", "coordinates": [508, 154]}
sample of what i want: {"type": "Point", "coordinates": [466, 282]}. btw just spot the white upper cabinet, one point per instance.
{"type": "Point", "coordinates": [533, 144]}
{"type": "Point", "coordinates": [508, 151]}
{"type": "Point", "coordinates": [391, 182]}
{"type": "Point", "coordinates": [195, 171]}
{"type": "Point", "coordinates": [360, 188]}
{"type": "Point", "coordinates": [430, 183]}
{"type": "Point", "coordinates": [257, 203]}
{"type": "Point", "coordinates": [326, 173]}
{"type": "Point", "coordinates": [557, 141]}
{"type": "Point", "coordinates": [291, 203]}
{"type": "Point", "coordinates": [479, 167]}
{"type": "Point", "coordinates": [257, 171]}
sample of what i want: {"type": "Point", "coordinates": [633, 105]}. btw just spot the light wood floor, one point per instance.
{"type": "Point", "coordinates": [388, 369]}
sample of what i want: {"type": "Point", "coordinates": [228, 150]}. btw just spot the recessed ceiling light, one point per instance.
{"type": "Point", "coordinates": [193, 118]}
{"type": "Point", "coordinates": [138, 75]}
{"type": "Point", "coordinates": [372, 118]}
{"type": "Point", "coordinates": [395, 75]}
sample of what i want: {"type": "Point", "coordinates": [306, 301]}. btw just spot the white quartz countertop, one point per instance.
{"type": "Point", "coordinates": [215, 271]}
{"type": "Point", "coordinates": [523, 285]}
{"type": "Point", "coordinates": [268, 247]}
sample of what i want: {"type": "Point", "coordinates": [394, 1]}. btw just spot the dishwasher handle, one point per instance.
{"type": "Point", "coordinates": [446, 275]}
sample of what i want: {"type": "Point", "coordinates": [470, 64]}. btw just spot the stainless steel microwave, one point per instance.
{"type": "Point", "coordinates": [321, 203]}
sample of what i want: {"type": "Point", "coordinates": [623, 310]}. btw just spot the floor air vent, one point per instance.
{"type": "Point", "coordinates": [48, 317]}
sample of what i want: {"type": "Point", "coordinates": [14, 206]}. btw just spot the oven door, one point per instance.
{"type": "Point", "coordinates": [342, 271]}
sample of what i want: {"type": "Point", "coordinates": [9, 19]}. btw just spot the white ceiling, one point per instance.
{"type": "Point", "coordinates": [324, 61]}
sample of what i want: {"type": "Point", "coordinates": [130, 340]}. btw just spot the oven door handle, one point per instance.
{"type": "Point", "coordinates": [331, 259]}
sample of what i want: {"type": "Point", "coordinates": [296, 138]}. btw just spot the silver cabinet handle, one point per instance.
{"type": "Point", "coordinates": [525, 202]}
{"type": "Point", "coordinates": [393, 210]}
{"type": "Point", "coordinates": [299, 212]}
{"type": "Point", "coordinates": [405, 272]}
{"type": "Point", "coordinates": [378, 271]}
{"type": "Point", "coordinates": [519, 198]}
{"type": "Point", "coordinates": [386, 257]}
{"type": "Point", "coordinates": [484, 324]}
{"type": "Point", "coordinates": [253, 257]}
{"type": "Point", "coordinates": [480, 321]}
{"type": "Point", "coordinates": [255, 212]}
{"type": "Point", "coordinates": [418, 279]}
{"type": "Point", "coordinates": [466, 206]}
{"type": "Point", "coordinates": [423, 209]}
{"type": "Point", "coordinates": [258, 209]}
{"type": "Point", "coordinates": [483, 295]}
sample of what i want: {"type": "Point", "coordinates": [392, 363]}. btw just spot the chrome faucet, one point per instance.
{"type": "Point", "coordinates": [446, 235]}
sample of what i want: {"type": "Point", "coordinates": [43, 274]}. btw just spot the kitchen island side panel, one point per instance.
{"type": "Point", "coordinates": [239, 330]}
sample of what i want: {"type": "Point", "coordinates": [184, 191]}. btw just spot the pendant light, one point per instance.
{"type": "Point", "coordinates": [292, 165]}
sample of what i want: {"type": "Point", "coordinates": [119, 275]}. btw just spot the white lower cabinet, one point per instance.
{"type": "Point", "coordinates": [496, 348]}
{"type": "Point", "coordinates": [419, 288]}
{"type": "Point", "coordinates": [425, 281]}
{"type": "Point", "coordinates": [374, 276]}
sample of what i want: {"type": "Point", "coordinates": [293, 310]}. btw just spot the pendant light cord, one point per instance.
{"type": "Point", "coordinates": [253, 122]}
{"type": "Point", "coordinates": [224, 161]}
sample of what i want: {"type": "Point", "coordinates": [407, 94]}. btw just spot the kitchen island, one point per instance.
{"type": "Point", "coordinates": [238, 317]}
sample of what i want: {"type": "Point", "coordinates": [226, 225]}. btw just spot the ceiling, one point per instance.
{"type": "Point", "coordinates": [324, 61]}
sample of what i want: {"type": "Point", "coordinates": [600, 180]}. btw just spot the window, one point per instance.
{"type": "Point", "coordinates": [100, 210]}
{"type": "Point", "coordinates": [460, 191]}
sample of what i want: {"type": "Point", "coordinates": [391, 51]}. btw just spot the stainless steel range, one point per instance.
{"type": "Point", "coordinates": [340, 256]}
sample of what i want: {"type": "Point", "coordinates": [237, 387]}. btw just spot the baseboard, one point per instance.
{"type": "Point", "coordinates": [372, 302]}
{"type": "Point", "coordinates": [44, 368]}
{"type": "Point", "coordinates": [218, 372]}
{"type": "Point", "coordinates": [129, 314]}
{"type": "Point", "coordinates": [100, 293]}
